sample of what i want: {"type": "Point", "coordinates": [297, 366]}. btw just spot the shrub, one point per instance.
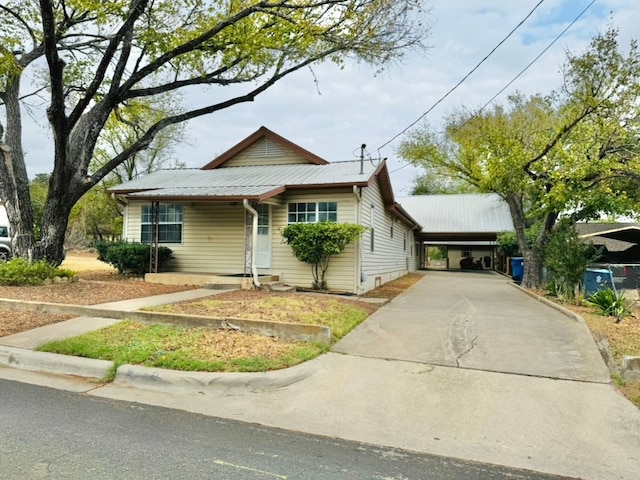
{"type": "Point", "coordinates": [18, 271]}
{"type": "Point", "coordinates": [610, 303]}
{"type": "Point", "coordinates": [316, 243]}
{"type": "Point", "coordinates": [130, 257]}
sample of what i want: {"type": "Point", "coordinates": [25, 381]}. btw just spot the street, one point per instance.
{"type": "Point", "coordinates": [46, 433]}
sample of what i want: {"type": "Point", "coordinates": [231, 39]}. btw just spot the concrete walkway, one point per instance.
{"type": "Point", "coordinates": [462, 365]}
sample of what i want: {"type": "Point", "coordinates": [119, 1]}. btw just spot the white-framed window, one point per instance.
{"type": "Point", "coordinates": [169, 223]}
{"type": "Point", "coordinates": [312, 212]}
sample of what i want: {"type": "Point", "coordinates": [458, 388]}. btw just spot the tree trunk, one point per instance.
{"type": "Point", "coordinates": [532, 276]}
{"type": "Point", "coordinates": [14, 182]}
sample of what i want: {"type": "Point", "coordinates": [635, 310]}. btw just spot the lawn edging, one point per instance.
{"type": "Point", "coordinates": [290, 331]}
{"type": "Point", "coordinates": [180, 381]}
{"type": "Point", "coordinates": [27, 359]}
{"type": "Point", "coordinates": [565, 311]}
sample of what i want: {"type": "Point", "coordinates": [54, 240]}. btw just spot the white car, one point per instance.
{"type": "Point", "coordinates": [5, 243]}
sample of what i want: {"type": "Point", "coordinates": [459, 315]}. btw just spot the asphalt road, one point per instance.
{"type": "Point", "coordinates": [46, 433]}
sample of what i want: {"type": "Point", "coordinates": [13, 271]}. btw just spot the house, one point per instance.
{"type": "Point", "coordinates": [461, 226]}
{"type": "Point", "coordinates": [225, 219]}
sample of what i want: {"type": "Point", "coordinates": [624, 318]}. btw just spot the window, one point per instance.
{"type": "Point", "coordinates": [391, 233]}
{"type": "Point", "coordinates": [466, 252]}
{"type": "Point", "coordinates": [4, 232]}
{"type": "Point", "coordinates": [313, 212]}
{"type": "Point", "coordinates": [404, 242]}
{"type": "Point", "coordinates": [169, 223]}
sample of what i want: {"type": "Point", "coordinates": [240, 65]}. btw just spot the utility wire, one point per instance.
{"type": "Point", "coordinates": [506, 86]}
{"type": "Point", "coordinates": [465, 77]}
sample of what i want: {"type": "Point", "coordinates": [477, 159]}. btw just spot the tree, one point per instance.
{"type": "Point", "coordinates": [101, 57]}
{"type": "Point", "coordinates": [316, 243]}
{"type": "Point", "coordinates": [575, 152]}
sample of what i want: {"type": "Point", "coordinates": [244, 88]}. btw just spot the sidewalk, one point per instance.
{"type": "Point", "coordinates": [467, 406]}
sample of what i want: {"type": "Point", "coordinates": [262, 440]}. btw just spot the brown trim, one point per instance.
{"type": "Point", "coordinates": [258, 135]}
{"type": "Point", "coordinates": [210, 198]}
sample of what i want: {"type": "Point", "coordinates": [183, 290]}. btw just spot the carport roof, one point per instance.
{"type": "Point", "coordinates": [628, 233]}
{"type": "Point", "coordinates": [460, 216]}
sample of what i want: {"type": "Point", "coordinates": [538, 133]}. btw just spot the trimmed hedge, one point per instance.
{"type": "Point", "coordinates": [130, 257]}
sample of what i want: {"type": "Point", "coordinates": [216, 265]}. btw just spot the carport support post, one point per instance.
{"type": "Point", "coordinates": [153, 243]}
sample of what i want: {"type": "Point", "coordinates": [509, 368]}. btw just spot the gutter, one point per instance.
{"type": "Point", "coordinates": [254, 240]}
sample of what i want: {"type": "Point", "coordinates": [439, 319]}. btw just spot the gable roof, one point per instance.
{"type": "Point", "coordinates": [459, 215]}
{"type": "Point", "coordinates": [257, 136]}
{"type": "Point", "coordinates": [261, 182]}
{"type": "Point", "coordinates": [615, 237]}
{"type": "Point", "coordinates": [253, 183]}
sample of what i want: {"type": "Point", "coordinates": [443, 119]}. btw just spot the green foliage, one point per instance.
{"type": "Point", "coordinates": [38, 190]}
{"type": "Point", "coordinates": [174, 347]}
{"type": "Point", "coordinates": [316, 243]}
{"type": "Point", "coordinates": [437, 253]}
{"type": "Point", "coordinates": [508, 245]}
{"type": "Point", "coordinates": [566, 257]}
{"type": "Point", "coordinates": [19, 271]}
{"type": "Point", "coordinates": [130, 257]}
{"type": "Point", "coordinates": [610, 303]}
{"type": "Point", "coordinates": [575, 150]}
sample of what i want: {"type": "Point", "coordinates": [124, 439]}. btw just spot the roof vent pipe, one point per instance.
{"type": "Point", "coordinates": [254, 240]}
{"type": "Point", "coordinates": [362, 147]}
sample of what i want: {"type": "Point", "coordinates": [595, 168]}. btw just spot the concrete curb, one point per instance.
{"type": "Point", "coordinates": [292, 331]}
{"type": "Point", "coordinates": [159, 379]}
{"type": "Point", "coordinates": [546, 301]}
{"type": "Point", "coordinates": [53, 363]}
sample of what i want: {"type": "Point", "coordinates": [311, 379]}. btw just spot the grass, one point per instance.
{"type": "Point", "coordinates": [189, 349]}
{"type": "Point", "coordinates": [202, 349]}
{"type": "Point", "coordinates": [340, 316]}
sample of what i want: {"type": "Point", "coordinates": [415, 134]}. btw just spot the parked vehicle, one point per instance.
{"type": "Point", "coordinates": [5, 243]}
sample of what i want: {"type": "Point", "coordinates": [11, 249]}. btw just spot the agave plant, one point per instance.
{"type": "Point", "coordinates": [610, 303]}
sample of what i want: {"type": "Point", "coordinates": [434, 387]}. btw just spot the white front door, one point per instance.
{"type": "Point", "coordinates": [263, 247]}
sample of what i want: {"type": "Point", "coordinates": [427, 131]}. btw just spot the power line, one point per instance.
{"type": "Point", "coordinates": [529, 65]}
{"type": "Point", "coordinates": [465, 77]}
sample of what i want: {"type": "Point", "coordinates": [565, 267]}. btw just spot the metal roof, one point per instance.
{"type": "Point", "coordinates": [188, 181]}
{"type": "Point", "coordinates": [463, 213]}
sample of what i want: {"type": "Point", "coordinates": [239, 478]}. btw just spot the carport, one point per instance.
{"type": "Point", "coordinates": [460, 226]}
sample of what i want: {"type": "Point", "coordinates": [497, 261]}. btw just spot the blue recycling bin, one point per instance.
{"type": "Point", "coordinates": [517, 268]}
{"type": "Point", "coordinates": [596, 279]}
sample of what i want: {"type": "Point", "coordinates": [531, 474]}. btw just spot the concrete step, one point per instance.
{"type": "Point", "coordinates": [277, 287]}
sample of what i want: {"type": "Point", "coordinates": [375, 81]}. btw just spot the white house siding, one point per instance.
{"type": "Point", "coordinates": [265, 152]}
{"type": "Point", "coordinates": [212, 237]}
{"type": "Point", "coordinates": [342, 272]}
{"type": "Point", "coordinates": [391, 257]}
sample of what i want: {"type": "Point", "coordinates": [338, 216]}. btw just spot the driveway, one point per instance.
{"type": "Point", "coordinates": [476, 320]}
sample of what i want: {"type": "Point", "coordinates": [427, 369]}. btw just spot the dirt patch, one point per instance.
{"type": "Point", "coordinates": [18, 321]}
{"type": "Point", "coordinates": [395, 287]}
{"type": "Point", "coordinates": [275, 307]}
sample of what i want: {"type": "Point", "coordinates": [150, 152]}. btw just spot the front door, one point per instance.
{"type": "Point", "coordinates": [263, 247]}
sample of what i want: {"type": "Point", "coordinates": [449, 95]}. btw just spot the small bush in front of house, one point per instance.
{"type": "Point", "coordinates": [130, 257]}
{"type": "Point", "coordinates": [610, 303]}
{"type": "Point", "coordinates": [19, 271]}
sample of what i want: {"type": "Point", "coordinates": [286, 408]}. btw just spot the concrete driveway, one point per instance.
{"type": "Point", "coordinates": [476, 320]}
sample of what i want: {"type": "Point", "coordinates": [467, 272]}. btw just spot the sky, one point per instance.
{"type": "Point", "coordinates": [354, 106]}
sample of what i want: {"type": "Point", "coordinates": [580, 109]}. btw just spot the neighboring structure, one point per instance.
{"type": "Point", "coordinates": [620, 241]}
{"type": "Point", "coordinates": [464, 226]}
{"type": "Point", "coordinates": [226, 218]}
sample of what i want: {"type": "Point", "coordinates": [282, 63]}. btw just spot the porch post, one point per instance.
{"type": "Point", "coordinates": [153, 243]}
